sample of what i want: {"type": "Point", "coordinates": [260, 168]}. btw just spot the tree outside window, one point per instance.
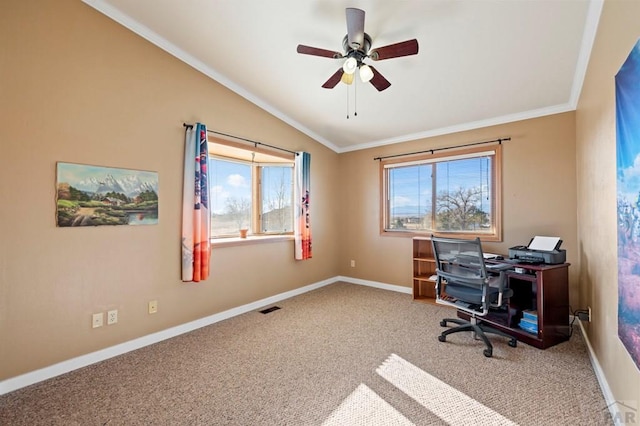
{"type": "Point", "coordinates": [455, 193]}
{"type": "Point", "coordinates": [252, 195]}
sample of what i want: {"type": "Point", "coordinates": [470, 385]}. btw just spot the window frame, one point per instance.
{"type": "Point", "coordinates": [257, 209]}
{"type": "Point", "coordinates": [256, 186]}
{"type": "Point", "coordinates": [437, 157]}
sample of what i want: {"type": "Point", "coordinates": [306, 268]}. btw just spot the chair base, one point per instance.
{"type": "Point", "coordinates": [479, 329]}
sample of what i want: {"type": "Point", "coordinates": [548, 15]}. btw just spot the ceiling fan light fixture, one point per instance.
{"type": "Point", "coordinates": [350, 65]}
{"type": "Point", "coordinates": [347, 78]}
{"type": "Point", "coordinates": [356, 47]}
{"type": "Point", "coordinates": [366, 74]}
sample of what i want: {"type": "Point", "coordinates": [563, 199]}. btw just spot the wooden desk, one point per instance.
{"type": "Point", "coordinates": [542, 288]}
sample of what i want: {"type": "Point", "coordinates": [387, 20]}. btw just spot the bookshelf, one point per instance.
{"type": "Point", "coordinates": [424, 268]}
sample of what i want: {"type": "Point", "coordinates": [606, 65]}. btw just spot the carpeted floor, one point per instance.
{"type": "Point", "coordinates": [342, 354]}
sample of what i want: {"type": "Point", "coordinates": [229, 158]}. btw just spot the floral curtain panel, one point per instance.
{"type": "Point", "coordinates": [302, 219]}
{"type": "Point", "coordinates": [196, 218]}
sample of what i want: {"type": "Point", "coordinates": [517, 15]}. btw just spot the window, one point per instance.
{"type": "Point", "coordinates": [250, 189]}
{"type": "Point", "coordinates": [457, 192]}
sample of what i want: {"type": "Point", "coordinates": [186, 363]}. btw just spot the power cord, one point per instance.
{"type": "Point", "coordinates": [582, 314]}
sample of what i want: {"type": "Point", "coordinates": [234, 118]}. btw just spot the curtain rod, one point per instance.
{"type": "Point", "coordinates": [190, 126]}
{"type": "Point", "coordinates": [442, 149]}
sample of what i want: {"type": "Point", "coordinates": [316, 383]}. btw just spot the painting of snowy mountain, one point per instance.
{"type": "Point", "coordinates": [94, 195]}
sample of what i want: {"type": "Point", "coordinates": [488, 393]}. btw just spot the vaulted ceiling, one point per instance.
{"type": "Point", "coordinates": [479, 63]}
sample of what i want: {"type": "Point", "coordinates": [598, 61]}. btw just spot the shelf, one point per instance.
{"type": "Point", "coordinates": [425, 299]}
{"type": "Point", "coordinates": [424, 267]}
{"type": "Point", "coordinates": [424, 278]}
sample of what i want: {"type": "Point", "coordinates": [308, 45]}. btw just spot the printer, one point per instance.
{"type": "Point", "coordinates": [541, 250]}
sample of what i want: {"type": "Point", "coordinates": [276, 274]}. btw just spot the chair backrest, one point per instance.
{"type": "Point", "coordinates": [461, 257]}
{"type": "Point", "coordinates": [460, 266]}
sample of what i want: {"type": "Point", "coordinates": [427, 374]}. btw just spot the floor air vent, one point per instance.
{"type": "Point", "coordinates": [271, 309]}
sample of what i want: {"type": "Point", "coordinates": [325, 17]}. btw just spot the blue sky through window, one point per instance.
{"type": "Point", "coordinates": [411, 186]}
{"type": "Point", "coordinates": [228, 179]}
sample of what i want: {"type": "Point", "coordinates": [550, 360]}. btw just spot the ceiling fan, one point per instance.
{"type": "Point", "coordinates": [357, 45]}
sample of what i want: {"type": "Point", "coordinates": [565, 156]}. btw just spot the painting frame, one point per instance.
{"type": "Point", "coordinates": [91, 195]}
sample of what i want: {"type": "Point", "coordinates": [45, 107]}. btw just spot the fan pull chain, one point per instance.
{"type": "Point", "coordinates": [355, 97]}
{"type": "Point", "coordinates": [347, 102]}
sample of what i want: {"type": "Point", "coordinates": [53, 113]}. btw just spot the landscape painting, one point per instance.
{"type": "Point", "coordinates": [95, 196]}
{"type": "Point", "coordinates": [627, 83]}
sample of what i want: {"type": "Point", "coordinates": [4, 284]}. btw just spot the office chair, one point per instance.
{"type": "Point", "coordinates": [464, 282]}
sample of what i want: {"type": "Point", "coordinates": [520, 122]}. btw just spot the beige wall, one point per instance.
{"type": "Point", "coordinates": [77, 87]}
{"type": "Point", "coordinates": [596, 157]}
{"type": "Point", "coordinates": [539, 197]}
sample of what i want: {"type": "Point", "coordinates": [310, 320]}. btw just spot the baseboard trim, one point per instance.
{"type": "Point", "coordinates": [27, 379]}
{"type": "Point", "coordinates": [602, 380]}
{"type": "Point", "coordinates": [376, 284]}
{"type": "Point", "coordinates": [33, 377]}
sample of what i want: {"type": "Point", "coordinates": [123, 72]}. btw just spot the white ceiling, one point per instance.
{"type": "Point", "coordinates": [480, 63]}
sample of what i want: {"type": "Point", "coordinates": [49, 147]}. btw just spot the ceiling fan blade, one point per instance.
{"type": "Point", "coordinates": [378, 81]}
{"type": "Point", "coordinates": [333, 80]}
{"type": "Point", "coordinates": [404, 48]}
{"type": "Point", "coordinates": [308, 50]}
{"type": "Point", "coordinates": [355, 28]}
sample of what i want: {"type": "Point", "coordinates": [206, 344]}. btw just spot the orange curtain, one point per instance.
{"type": "Point", "coordinates": [196, 218]}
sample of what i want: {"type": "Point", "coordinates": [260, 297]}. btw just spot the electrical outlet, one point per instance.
{"type": "Point", "coordinates": [97, 320]}
{"type": "Point", "coordinates": [584, 314]}
{"type": "Point", "coordinates": [153, 306]}
{"type": "Point", "coordinates": [353, 263]}
{"type": "Point", "coordinates": [112, 317]}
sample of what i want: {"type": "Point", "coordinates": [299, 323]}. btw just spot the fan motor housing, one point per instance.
{"type": "Point", "coordinates": [360, 53]}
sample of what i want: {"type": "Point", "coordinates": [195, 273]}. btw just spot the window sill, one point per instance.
{"type": "Point", "coordinates": [252, 239]}
{"type": "Point", "coordinates": [410, 234]}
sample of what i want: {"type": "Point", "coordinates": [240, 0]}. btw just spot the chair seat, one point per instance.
{"type": "Point", "coordinates": [474, 295]}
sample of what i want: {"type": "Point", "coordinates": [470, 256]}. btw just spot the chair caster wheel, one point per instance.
{"type": "Point", "coordinates": [443, 323]}
{"type": "Point", "coordinates": [488, 353]}
{"type": "Point", "coordinates": [442, 338]}
{"type": "Point", "coordinates": [513, 343]}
